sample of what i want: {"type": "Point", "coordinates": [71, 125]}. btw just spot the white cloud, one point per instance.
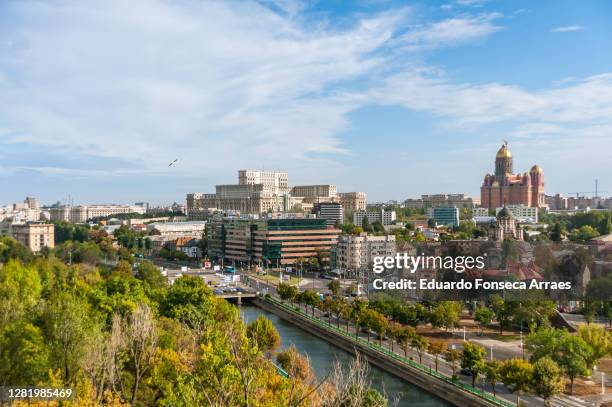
{"type": "Point", "coordinates": [451, 31]}
{"type": "Point", "coordinates": [211, 83]}
{"type": "Point", "coordinates": [567, 28]}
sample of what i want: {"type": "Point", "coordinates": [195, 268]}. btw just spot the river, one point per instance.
{"type": "Point", "coordinates": [323, 355]}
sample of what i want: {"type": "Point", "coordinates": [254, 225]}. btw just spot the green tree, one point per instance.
{"type": "Point", "coordinates": [517, 375]}
{"type": "Point", "coordinates": [365, 224]}
{"type": "Point", "coordinates": [548, 379]}
{"type": "Point", "coordinates": [263, 333]}
{"type": "Point", "coordinates": [573, 356]}
{"type": "Point", "coordinates": [334, 287]}
{"type": "Point", "coordinates": [492, 372]}
{"type": "Point", "coordinates": [150, 275]}
{"type": "Point", "coordinates": [287, 292]}
{"type": "Point", "coordinates": [556, 234]}
{"type": "Point", "coordinates": [446, 314]}
{"type": "Point", "coordinates": [404, 337]}
{"type": "Point", "coordinates": [483, 316]}
{"type": "Point", "coordinates": [20, 291]}
{"type": "Point", "coordinates": [473, 359]}
{"type": "Point", "coordinates": [379, 324]}
{"type": "Point", "coordinates": [24, 356]}
{"type": "Point", "coordinates": [420, 344]}
{"type": "Point", "coordinates": [452, 356]}
{"type": "Point", "coordinates": [437, 348]}
{"type": "Point", "coordinates": [599, 340]}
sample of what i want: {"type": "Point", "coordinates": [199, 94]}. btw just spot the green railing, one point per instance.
{"type": "Point", "coordinates": [425, 369]}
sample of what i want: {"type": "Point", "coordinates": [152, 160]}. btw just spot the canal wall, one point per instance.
{"type": "Point", "coordinates": [444, 390]}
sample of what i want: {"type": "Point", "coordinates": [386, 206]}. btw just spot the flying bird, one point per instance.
{"type": "Point", "coordinates": [173, 162]}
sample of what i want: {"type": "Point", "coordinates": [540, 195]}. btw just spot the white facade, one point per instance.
{"type": "Point", "coordinates": [81, 213]}
{"type": "Point", "coordinates": [522, 213]}
{"type": "Point", "coordinates": [357, 252]}
{"type": "Point", "coordinates": [477, 212]}
{"type": "Point", "coordinates": [382, 216]}
{"type": "Point", "coordinates": [273, 181]}
{"type": "Point", "coordinates": [193, 228]}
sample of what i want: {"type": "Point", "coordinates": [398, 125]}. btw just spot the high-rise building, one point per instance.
{"type": "Point", "coordinates": [506, 188]}
{"type": "Point", "coordinates": [332, 212]}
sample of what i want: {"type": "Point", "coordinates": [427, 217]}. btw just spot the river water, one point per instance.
{"type": "Point", "coordinates": [323, 355]}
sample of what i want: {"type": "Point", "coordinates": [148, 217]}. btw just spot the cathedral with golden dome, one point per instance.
{"type": "Point", "coordinates": [506, 188]}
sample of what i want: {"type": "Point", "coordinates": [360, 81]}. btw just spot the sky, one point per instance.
{"type": "Point", "coordinates": [394, 98]}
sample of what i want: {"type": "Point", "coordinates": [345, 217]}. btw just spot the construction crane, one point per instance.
{"type": "Point", "coordinates": [596, 192]}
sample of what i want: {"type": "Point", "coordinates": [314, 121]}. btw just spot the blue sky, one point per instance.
{"type": "Point", "coordinates": [393, 98]}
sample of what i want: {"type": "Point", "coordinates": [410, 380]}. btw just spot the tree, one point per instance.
{"type": "Point", "coordinates": [404, 337]}
{"type": "Point", "coordinates": [492, 372]}
{"type": "Point", "coordinates": [379, 324]}
{"type": "Point", "coordinates": [502, 311]}
{"type": "Point", "coordinates": [473, 359]}
{"type": "Point", "coordinates": [599, 340]}
{"type": "Point", "coordinates": [420, 343]}
{"type": "Point", "coordinates": [548, 379]}
{"type": "Point", "coordinates": [556, 234]}
{"type": "Point", "coordinates": [287, 292]}
{"type": "Point", "coordinates": [517, 375]}
{"type": "Point", "coordinates": [573, 356]}
{"type": "Point", "coordinates": [350, 290]}
{"type": "Point", "coordinates": [310, 297]}
{"type": "Point", "coordinates": [334, 287]}
{"type": "Point", "coordinates": [436, 348]}
{"type": "Point", "coordinates": [296, 365]}
{"type": "Point", "coordinates": [452, 356]}
{"type": "Point", "coordinates": [150, 274]}
{"type": "Point", "coordinates": [263, 334]}
{"type": "Point", "coordinates": [141, 337]}
{"type": "Point", "coordinates": [365, 224]}
{"type": "Point", "coordinates": [24, 356]}
{"type": "Point", "coordinates": [483, 316]}
{"type": "Point", "coordinates": [446, 314]}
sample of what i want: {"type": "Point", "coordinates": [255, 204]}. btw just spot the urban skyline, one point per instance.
{"type": "Point", "coordinates": [369, 96]}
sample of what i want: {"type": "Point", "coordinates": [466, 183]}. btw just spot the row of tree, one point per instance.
{"type": "Point", "coordinates": [123, 336]}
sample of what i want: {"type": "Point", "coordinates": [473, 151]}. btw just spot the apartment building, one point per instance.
{"type": "Point", "coordinates": [34, 235]}
{"type": "Point", "coordinates": [357, 252]}
{"type": "Point", "coordinates": [176, 229]}
{"type": "Point", "coordinates": [446, 200]}
{"type": "Point", "coordinates": [379, 215]}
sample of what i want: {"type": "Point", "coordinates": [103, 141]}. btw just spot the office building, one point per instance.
{"type": "Point", "coordinates": [270, 242]}
{"type": "Point", "coordinates": [433, 200]}
{"type": "Point", "coordinates": [176, 229]}
{"type": "Point", "coordinates": [332, 212]}
{"type": "Point", "coordinates": [446, 216]}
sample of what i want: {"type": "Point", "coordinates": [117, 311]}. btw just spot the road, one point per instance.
{"type": "Point", "coordinates": [429, 360]}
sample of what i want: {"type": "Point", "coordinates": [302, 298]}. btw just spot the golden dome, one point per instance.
{"type": "Point", "coordinates": [504, 152]}
{"type": "Point", "coordinates": [536, 168]}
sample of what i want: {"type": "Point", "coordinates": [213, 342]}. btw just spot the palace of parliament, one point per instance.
{"type": "Point", "coordinates": [506, 188]}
